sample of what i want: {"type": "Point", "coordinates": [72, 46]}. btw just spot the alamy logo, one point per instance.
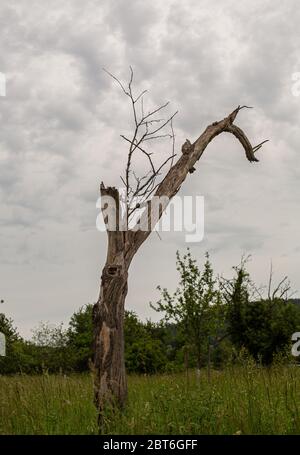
{"type": "Point", "coordinates": [296, 345]}
{"type": "Point", "coordinates": [2, 344]}
{"type": "Point", "coordinates": [2, 84]}
{"type": "Point", "coordinates": [180, 214]}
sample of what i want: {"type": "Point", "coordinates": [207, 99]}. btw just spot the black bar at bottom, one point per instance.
{"type": "Point", "coordinates": [148, 444]}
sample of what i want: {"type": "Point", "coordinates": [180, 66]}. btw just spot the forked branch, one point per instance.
{"type": "Point", "coordinates": [143, 191]}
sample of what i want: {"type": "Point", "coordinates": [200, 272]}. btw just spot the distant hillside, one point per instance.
{"type": "Point", "coordinates": [295, 301]}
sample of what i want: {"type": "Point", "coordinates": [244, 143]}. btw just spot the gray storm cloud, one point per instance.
{"type": "Point", "coordinates": [61, 121]}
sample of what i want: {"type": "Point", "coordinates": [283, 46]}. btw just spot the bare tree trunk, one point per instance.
{"type": "Point", "coordinates": [110, 386]}
{"type": "Point", "coordinates": [108, 318]}
{"type": "Point", "coordinates": [108, 314]}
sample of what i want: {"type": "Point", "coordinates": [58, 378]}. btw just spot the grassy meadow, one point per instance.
{"type": "Point", "coordinates": [238, 400]}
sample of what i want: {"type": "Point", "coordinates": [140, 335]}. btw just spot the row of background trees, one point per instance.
{"type": "Point", "coordinates": [207, 321]}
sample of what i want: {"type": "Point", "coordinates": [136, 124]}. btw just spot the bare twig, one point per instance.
{"type": "Point", "coordinates": [144, 131]}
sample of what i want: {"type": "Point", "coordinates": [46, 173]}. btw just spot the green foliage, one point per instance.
{"type": "Point", "coordinates": [144, 350]}
{"type": "Point", "coordinates": [12, 362]}
{"type": "Point", "coordinates": [269, 325]}
{"type": "Point", "coordinates": [80, 337]}
{"type": "Point", "coordinates": [195, 307]}
{"type": "Point", "coordinates": [205, 321]}
{"type": "Point", "coordinates": [263, 326]}
{"type": "Point", "coordinates": [53, 349]}
{"type": "Point", "coordinates": [49, 348]}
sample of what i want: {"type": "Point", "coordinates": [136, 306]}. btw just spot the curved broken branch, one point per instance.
{"type": "Point", "coordinates": [240, 135]}
{"type": "Point", "coordinates": [177, 174]}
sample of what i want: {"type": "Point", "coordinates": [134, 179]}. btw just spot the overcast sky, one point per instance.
{"type": "Point", "coordinates": [61, 122]}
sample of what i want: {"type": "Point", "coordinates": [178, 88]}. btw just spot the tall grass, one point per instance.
{"type": "Point", "coordinates": [47, 405]}
{"type": "Point", "coordinates": [238, 400]}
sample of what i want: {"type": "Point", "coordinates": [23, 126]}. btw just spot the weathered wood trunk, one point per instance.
{"type": "Point", "coordinates": [109, 362]}
{"type": "Point", "coordinates": [110, 385]}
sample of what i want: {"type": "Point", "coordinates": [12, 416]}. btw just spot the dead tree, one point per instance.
{"type": "Point", "coordinates": [140, 197]}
